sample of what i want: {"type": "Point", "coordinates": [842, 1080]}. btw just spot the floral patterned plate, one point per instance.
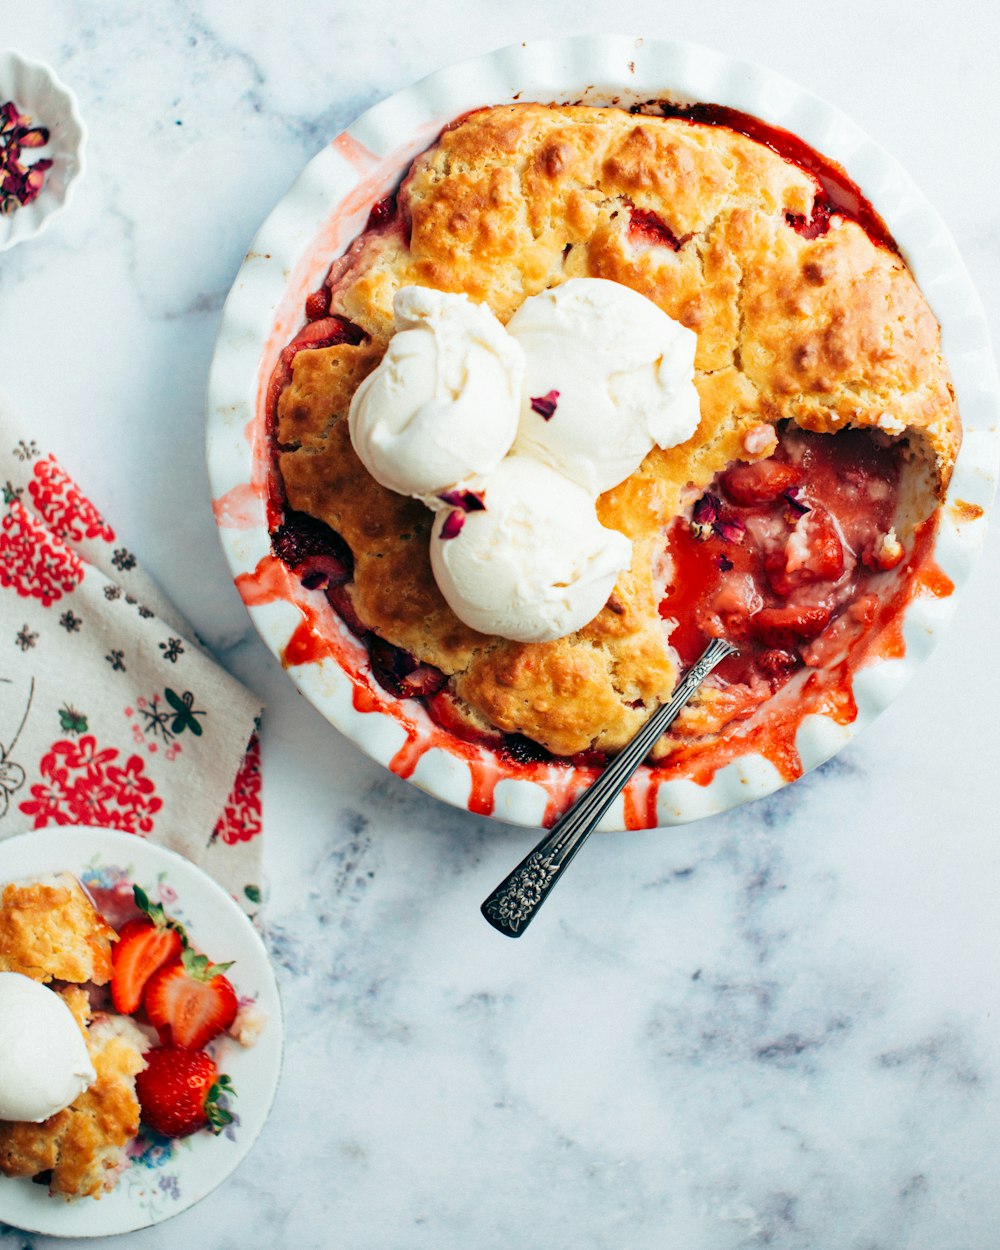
{"type": "Point", "coordinates": [165, 1176]}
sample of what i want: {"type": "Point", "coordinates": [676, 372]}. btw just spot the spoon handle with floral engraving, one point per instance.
{"type": "Point", "coordinates": [513, 904]}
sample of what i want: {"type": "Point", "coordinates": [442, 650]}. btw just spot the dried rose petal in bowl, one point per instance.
{"type": "Point", "coordinates": [19, 183]}
{"type": "Point", "coordinates": [41, 147]}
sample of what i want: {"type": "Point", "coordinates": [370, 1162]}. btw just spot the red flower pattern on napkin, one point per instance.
{"type": "Point", "coordinates": [66, 757]}
{"type": "Point", "coordinates": [63, 506]}
{"type": "Point", "coordinates": [83, 786]}
{"type": "Point", "coordinates": [241, 817]}
{"type": "Point", "coordinates": [31, 563]}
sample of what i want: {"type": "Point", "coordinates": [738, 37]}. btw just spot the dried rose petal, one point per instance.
{"type": "Point", "coordinates": [545, 405]}
{"type": "Point", "coordinates": [731, 529]}
{"type": "Point", "coordinates": [453, 523]}
{"type": "Point", "coordinates": [704, 515]}
{"type": "Point", "coordinates": [13, 117]}
{"type": "Point", "coordinates": [37, 137]}
{"type": "Point", "coordinates": [798, 507]}
{"type": "Point", "coordinates": [723, 563]}
{"type": "Point", "coordinates": [467, 500]}
{"type": "Point", "coordinates": [706, 510]}
{"type": "Point", "coordinates": [15, 183]}
{"type": "Point", "coordinates": [19, 184]}
{"type": "Point", "coordinates": [33, 184]}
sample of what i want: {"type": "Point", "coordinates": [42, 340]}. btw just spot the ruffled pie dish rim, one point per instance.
{"type": "Point", "coordinates": [37, 88]}
{"type": "Point", "coordinates": [327, 207]}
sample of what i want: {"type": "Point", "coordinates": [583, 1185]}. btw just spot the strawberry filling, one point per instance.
{"type": "Point", "coordinates": [779, 554]}
{"type": "Point", "coordinates": [324, 332]}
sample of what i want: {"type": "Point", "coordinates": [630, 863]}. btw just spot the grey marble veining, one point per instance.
{"type": "Point", "coordinates": [778, 1028]}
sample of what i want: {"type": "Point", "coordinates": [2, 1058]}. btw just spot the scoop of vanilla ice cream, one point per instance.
{"type": "Point", "coordinates": [535, 563]}
{"type": "Point", "coordinates": [44, 1064]}
{"type": "Point", "coordinates": [618, 371]}
{"type": "Point", "coordinates": [443, 404]}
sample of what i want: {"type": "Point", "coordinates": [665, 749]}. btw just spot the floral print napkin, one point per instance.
{"type": "Point", "coordinates": [111, 712]}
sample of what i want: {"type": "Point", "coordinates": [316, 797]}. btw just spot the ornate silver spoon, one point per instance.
{"type": "Point", "coordinates": [513, 904]}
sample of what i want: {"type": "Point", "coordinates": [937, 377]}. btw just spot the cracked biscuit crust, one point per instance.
{"type": "Point", "coordinates": [50, 930]}
{"type": "Point", "coordinates": [828, 332]}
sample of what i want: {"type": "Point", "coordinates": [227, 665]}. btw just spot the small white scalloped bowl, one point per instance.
{"type": "Point", "coordinates": [37, 91]}
{"type": "Point", "coordinates": [325, 210]}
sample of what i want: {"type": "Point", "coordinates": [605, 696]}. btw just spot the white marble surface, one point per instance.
{"type": "Point", "coordinates": [778, 1028]}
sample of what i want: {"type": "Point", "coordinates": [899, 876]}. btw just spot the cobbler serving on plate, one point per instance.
{"type": "Point", "coordinates": [789, 508]}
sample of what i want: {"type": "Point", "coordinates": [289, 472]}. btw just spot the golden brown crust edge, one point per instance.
{"type": "Point", "coordinates": [828, 332]}
{"type": "Point", "coordinates": [51, 931]}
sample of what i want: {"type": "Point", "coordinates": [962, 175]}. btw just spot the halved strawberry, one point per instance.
{"type": "Point", "coordinates": [813, 553]}
{"type": "Point", "coordinates": [325, 332]}
{"type": "Point", "coordinates": [144, 945]}
{"type": "Point", "coordinates": [340, 599]}
{"type": "Point", "coordinates": [400, 673]}
{"type": "Point", "coordinates": [179, 1092]}
{"type": "Point", "coordinates": [446, 712]}
{"type": "Point", "coordinates": [190, 1001]}
{"type": "Point", "coordinates": [763, 481]}
{"type": "Point", "coordinates": [318, 303]}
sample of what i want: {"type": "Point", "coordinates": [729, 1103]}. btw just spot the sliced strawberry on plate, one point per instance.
{"type": "Point", "coordinates": [179, 1092]}
{"type": "Point", "coordinates": [190, 1001]}
{"type": "Point", "coordinates": [144, 945]}
{"type": "Point", "coordinates": [763, 481]}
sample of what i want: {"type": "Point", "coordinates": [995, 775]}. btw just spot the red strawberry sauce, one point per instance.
{"type": "Point", "coordinates": [794, 543]}
{"type": "Point", "coordinates": [804, 585]}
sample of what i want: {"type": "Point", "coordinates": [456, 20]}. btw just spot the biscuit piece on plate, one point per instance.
{"type": "Point", "coordinates": [81, 1151]}
{"type": "Point", "coordinates": [51, 931]}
